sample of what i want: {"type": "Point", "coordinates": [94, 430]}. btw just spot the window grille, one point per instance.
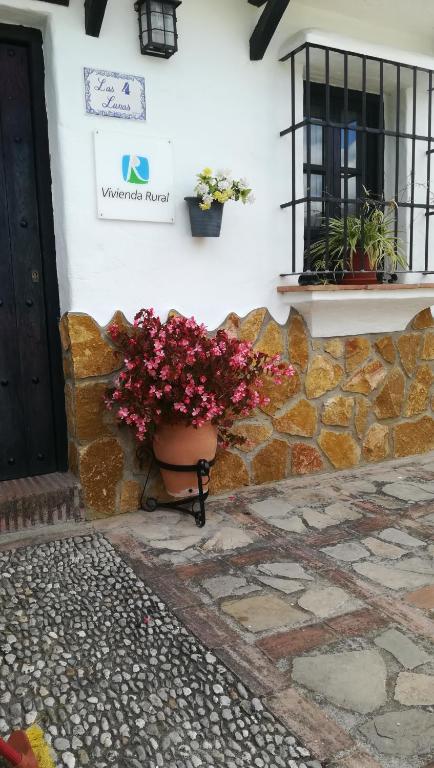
{"type": "Point", "coordinates": [364, 126]}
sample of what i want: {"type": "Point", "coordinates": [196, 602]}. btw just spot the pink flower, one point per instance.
{"type": "Point", "coordinates": [176, 371]}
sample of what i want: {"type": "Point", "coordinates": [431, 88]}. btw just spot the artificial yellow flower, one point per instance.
{"type": "Point", "coordinates": [204, 206]}
{"type": "Point", "coordinates": [207, 172]}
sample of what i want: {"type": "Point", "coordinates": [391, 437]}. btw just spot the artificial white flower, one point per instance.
{"type": "Point", "coordinates": [224, 184]}
{"type": "Point", "coordinates": [243, 184]}
{"type": "Point", "coordinates": [202, 189]}
{"type": "Point", "coordinates": [207, 199]}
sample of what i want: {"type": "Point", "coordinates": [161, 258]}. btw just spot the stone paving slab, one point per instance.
{"type": "Point", "coordinates": [311, 565]}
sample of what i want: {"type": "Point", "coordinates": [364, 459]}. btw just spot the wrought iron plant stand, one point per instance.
{"type": "Point", "coordinates": [191, 505]}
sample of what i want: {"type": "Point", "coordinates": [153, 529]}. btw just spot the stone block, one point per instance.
{"type": "Point", "coordinates": [363, 407]}
{"type": "Point", "coordinates": [279, 394]}
{"type": "Point", "coordinates": [228, 586]}
{"type": "Point", "coordinates": [251, 325]}
{"type": "Point", "coordinates": [422, 598]}
{"type": "Point", "coordinates": [270, 463]}
{"type": "Point", "coordinates": [348, 551]}
{"type": "Point", "coordinates": [324, 602]}
{"type": "Point", "coordinates": [271, 340]}
{"type": "Point", "coordinates": [101, 467]}
{"type": "Point", "coordinates": [322, 376]}
{"type": "Point", "coordinates": [296, 641]}
{"type": "Point", "coordinates": [334, 347]}
{"type": "Point", "coordinates": [228, 472]}
{"type": "Point", "coordinates": [396, 536]}
{"type": "Point", "coordinates": [285, 570]}
{"type": "Point", "coordinates": [356, 351]}
{"type": "Point", "coordinates": [383, 549]}
{"type": "Point", "coordinates": [301, 420]}
{"type": "Point", "coordinates": [91, 352]}
{"type": "Point", "coordinates": [338, 411]}
{"type": "Point", "coordinates": [70, 408]}
{"type": "Point", "coordinates": [388, 403]}
{"type": "Point", "coordinates": [386, 348]}
{"type": "Point", "coordinates": [254, 434]}
{"type": "Point", "coordinates": [262, 612]}
{"type": "Point", "coordinates": [354, 680]}
{"type": "Point", "coordinates": [366, 379]}
{"type": "Point", "coordinates": [357, 623]}
{"type": "Point", "coordinates": [414, 689]}
{"type": "Point", "coordinates": [394, 577]}
{"type": "Point", "coordinates": [403, 649]}
{"type": "Point", "coordinates": [427, 352]}
{"type": "Point", "coordinates": [231, 325]}
{"type": "Point", "coordinates": [419, 392]}
{"type": "Point", "coordinates": [120, 320]}
{"type": "Point", "coordinates": [340, 448]}
{"type": "Point", "coordinates": [414, 437]}
{"type": "Point", "coordinates": [298, 345]}
{"type": "Point", "coordinates": [423, 320]}
{"type": "Point", "coordinates": [409, 345]}
{"type": "Point", "coordinates": [130, 494]}
{"type": "Point", "coordinates": [305, 459]}
{"type": "Point", "coordinates": [376, 443]}
{"type": "Point", "coordinates": [404, 733]}
{"type": "Point", "coordinates": [90, 412]}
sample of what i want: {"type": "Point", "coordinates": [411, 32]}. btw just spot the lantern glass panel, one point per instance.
{"type": "Point", "coordinates": [158, 27]}
{"type": "Point", "coordinates": [144, 25]}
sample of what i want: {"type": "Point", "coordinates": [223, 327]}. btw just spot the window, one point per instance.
{"type": "Point", "coordinates": [365, 128]}
{"type": "Point", "coordinates": [342, 163]}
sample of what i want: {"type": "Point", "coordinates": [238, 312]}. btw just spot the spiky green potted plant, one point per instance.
{"type": "Point", "coordinates": [361, 248]}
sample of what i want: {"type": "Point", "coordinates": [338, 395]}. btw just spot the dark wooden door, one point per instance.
{"type": "Point", "coordinates": [29, 376]}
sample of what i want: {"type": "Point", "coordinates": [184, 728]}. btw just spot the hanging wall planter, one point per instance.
{"type": "Point", "coordinates": [204, 223]}
{"type": "Point", "coordinates": [212, 192]}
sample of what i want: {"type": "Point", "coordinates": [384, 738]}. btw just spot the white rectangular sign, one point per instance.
{"type": "Point", "coordinates": [134, 177]}
{"type": "Point", "coordinates": [113, 94]}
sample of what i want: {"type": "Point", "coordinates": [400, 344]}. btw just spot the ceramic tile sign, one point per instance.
{"type": "Point", "coordinates": [134, 177]}
{"type": "Point", "coordinates": [112, 94]}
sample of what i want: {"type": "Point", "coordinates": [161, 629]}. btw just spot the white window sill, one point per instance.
{"type": "Point", "coordinates": [349, 310]}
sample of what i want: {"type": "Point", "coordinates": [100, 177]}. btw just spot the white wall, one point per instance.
{"type": "Point", "coordinates": [221, 110]}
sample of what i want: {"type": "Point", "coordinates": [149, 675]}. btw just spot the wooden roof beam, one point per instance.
{"type": "Point", "coordinates": [266, 27]}
{"type": "Point", "coordinates": [94, 11]}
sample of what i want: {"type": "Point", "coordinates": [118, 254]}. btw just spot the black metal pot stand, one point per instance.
{"type": "Point", "coordinates": [193, 505]}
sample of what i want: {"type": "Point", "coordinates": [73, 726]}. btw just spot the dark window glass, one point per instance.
{"type": "Point", "coordinates": [343, 161]}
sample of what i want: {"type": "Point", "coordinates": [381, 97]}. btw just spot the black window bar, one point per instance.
{"type": "Point", "coordinates": [366, 125]}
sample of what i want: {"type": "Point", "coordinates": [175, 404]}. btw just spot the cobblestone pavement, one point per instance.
{"type": "Point", "coordinates": [316, 595]}
{"type": "Point", "coordinates": [113, 676]}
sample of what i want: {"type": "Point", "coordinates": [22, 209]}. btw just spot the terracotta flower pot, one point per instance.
{"type": "Point", "coordinates": [182, 445]}
{"type": "Point", "coordinates": [367, 276]}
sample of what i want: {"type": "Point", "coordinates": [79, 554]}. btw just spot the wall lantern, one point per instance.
{"type": "Point", "coordinates": [157, 24]}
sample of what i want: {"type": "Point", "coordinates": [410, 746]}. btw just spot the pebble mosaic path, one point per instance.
{"type": "Point", "coordinates": [309, 603]}
{"type": "Point", "coordinates": [113, 677]}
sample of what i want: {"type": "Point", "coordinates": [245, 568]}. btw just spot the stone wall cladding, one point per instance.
{"type": "Point", "coordinates": [352, 401]}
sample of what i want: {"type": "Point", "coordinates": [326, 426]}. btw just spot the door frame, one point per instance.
{"type": "Point", "coordinates": [32, 39]}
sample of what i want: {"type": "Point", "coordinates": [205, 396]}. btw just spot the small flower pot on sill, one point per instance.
{"type": "Point", "coordinates": [204, 223]}
{"type": "Point", "coordinates": [363, 272]}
